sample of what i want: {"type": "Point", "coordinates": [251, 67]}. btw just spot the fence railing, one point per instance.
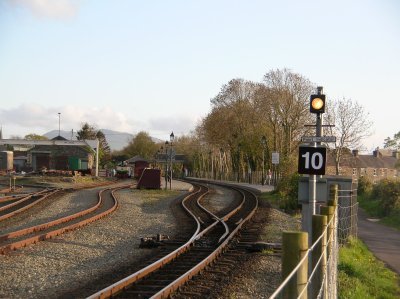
{"type": "Point", "coordinates": [313, 270]}
{"type": "Point", "coordinates": [255, 177]}
{"type": "Point", "coordinates": [314, 276]}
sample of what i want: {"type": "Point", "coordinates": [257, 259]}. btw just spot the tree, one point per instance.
{"type": "Point", "coordinates": [89, 132]}
{"type": "Point", "coordinates": [352, 126]}
{"type": "Point", "coordinates": [141, 145]}
{"type": "Point", "coordinates": [33, 136]}
{"type": "Point", "coordinates": [394, 143]}
{"type": "Point", "coordinates": [244, 111]}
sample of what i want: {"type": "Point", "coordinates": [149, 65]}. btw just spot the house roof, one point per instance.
{"type": "Point", "coordinates": [58, 138]}
{"type": "Point", "coordinates": [381, 160]}
{"type": "Point", "coordinates": [135, 159]}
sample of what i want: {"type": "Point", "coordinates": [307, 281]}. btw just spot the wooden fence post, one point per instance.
{"type": "Point", "coordinates": [319, 223]}
{"type": "Point", "coordinates": [333, 195]}
{"type": "Point", "coordinates": [294, 247]}
{"type": "Point", "coordinates": [329, 212]}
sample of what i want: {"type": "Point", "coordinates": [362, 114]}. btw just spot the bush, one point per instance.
{"type": "Point", "coordinates": [288, 192]}
{"type": "Point", "coordinates": [364, 186]}
{"type": "Point", "coordinates": [388, 193]}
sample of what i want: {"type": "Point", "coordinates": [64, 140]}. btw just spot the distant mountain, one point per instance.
{"type": "Point", "coordinates": [116, 140]}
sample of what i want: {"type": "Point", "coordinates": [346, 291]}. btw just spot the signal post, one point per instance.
{"type": "Point", "coordinates": [312, 159]}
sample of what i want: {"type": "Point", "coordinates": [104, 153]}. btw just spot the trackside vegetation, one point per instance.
{"type": "Point", "coordinates": [381, 200]}
{"type": "Point", "coordinates": [361, 275]}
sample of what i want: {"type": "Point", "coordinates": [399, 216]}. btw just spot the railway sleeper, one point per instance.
{"type": "Point", "coordinates": [226, 264]}
{"type": "Point", "coordinates": [189, 294]}
{"type": "Point", "coordinates": [147, 288]}
{"type": "Point", "coordinates": [161, 282]}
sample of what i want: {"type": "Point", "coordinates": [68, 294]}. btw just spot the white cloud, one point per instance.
{"type": "Point", "coordinates": [48, 8]}
{"type": "Point", "coordinates": [34, 118]}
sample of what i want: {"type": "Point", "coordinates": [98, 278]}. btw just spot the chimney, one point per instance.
{"type": "Point", "coordinates": [355, 153]}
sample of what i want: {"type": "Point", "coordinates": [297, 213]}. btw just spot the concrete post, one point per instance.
{"type": "Point", "coordinates": [319, 223]}
{"type": "Point", "coordinates": [294, 247]}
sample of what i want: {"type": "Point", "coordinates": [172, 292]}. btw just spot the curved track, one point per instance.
{"type": "Point", "coordinates": [11, 207]}
{"type": "Point", "coordinates": [106, 204]}
{"type": "Point", "coordinates": [209, 240]}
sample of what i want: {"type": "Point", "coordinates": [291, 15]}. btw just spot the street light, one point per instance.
{"type": "Point", "coordinates": [221, 152]}
{"type": "Point", "coordinates": [166, 164]}
{"type": "Point", "coordinates": [238, 174]}
{"type": "Point", "coordinates": [171, 140]}
{"type": "Point", "coordinates": [59, 115]}
{"type": "Point", "coordinates": [264, 144]}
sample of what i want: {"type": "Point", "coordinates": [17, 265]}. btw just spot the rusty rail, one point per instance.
{"type": "Point", "coordinates": [126, 282]}
{"type": "Point", "coordinates": [173, 286]}
{"type": "Point", "coordinates": [27, 206]}
{"type": "Point", "coordinates": [167, 290]}
{"type": "Point", "coordinates": [41, 237]}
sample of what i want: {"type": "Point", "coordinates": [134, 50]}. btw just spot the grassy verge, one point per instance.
{"type": "Point", "coordinates": [272, 198]}
{"type": "Point", "coordinates": [361, 275]}
{"type": "Point", "coordinates": [374, 209]}
{"type": "Point", "coordinates": [152, 197]}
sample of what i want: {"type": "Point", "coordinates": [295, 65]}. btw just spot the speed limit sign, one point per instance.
{"type": "Point", "coordinates": [312, 160]}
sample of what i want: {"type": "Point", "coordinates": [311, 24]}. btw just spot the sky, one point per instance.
{"type": "Point", "coordinates": [153, 66]}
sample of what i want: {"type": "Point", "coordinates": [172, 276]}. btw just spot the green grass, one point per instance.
{"type": "Point", "coordinates": [272, 198]}
{"type": "Point", "coordinates": [151, 197]}
{"type": "Point", "coordinates": [374, 209]}
{"type": "Point", "coordinates": [361, 275]}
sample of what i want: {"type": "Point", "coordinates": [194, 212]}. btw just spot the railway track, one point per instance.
{"type": "Point", "coordinates": [106, 204]}
{"type": "Point", "coordinates": [9, 207]}
{"type": "Point", "coordinates": [211, 236]}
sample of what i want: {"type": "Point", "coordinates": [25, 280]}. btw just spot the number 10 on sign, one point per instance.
{"type": "Point", "coordinates": [312, 160]}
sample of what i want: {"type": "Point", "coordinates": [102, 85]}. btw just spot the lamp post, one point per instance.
{"type": "Point", "coordinates": [166, 164]}
{"type": "Point", "coordinates": [171, 140]}
{"type": "Point", "coordinates": [263, 144]}
{"type": "Point", "coordinates": [59, 122]}
{"type": "Point", "coordinates": [221, 151]}
{"type": "Point", "coordinates": [238, 174]}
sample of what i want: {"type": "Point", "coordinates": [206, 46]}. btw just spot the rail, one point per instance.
{"type": "Point", "coordinates": [120, 285]}
{"type": "Point", "coordinates": [207, 256]}
{"type": "Point", "coordinates": [27, 240]}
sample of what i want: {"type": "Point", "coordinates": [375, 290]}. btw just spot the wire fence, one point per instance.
{"type": "Point", "coordinates": [315, 275]}
{"type": "Point", "coordinates": [348, 208]}
{"type": "Point", "coordinates": [320, 262]}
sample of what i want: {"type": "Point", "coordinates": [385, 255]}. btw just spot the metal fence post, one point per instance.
{"type": "Point", "coordinates": [294, 248]}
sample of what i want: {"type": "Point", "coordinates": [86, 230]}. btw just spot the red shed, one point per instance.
{"type": "Point", "coordinates": [138, 164]}
{"type": "Point", "coordinates": [150, 179]}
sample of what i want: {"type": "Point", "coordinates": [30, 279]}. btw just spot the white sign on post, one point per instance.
{"type": "Point", "coordinates": [275, 158]}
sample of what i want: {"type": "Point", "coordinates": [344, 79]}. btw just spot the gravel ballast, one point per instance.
{"type": "Point", "coordinates": [53, 268]}
{"type": "Point", "coordinates": [50, 268]}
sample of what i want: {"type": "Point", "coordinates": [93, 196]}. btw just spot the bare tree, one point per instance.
{"type": "Point", "coordinates": [352, 126]}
